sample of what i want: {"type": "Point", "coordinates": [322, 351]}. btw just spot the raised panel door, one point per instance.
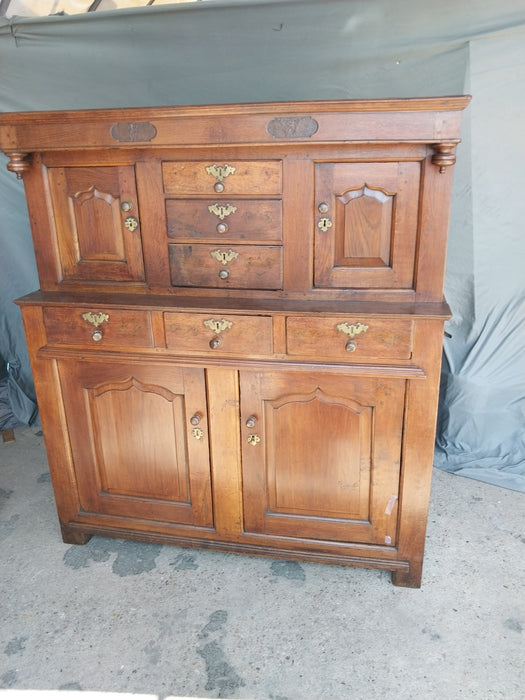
{"type": "Point", "coordinates": [321, 455]}
{"type": "Point", "coordinates": [366, 224]}
{"type": "Point", "coordinates": [97, 223]}
{"type": "Point", "coordinates": [139, 437]}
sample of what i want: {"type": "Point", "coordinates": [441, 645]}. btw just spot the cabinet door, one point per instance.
{"type": "Point", "coordinates": [139, 438]}
{"type": "Point", "coordinates": [321, 455]}
{"type": "Point", "coordinates": [97, 223]}
{"type": "Point", "coordinates": [366, 224]}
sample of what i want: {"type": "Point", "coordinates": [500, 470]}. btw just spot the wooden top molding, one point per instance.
{"type": "Point", "coordinates": [428, 120]}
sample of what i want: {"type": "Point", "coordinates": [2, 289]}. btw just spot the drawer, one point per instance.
{"type": "Point", "coordinates": [352, 338]}
{"type": "Point", "coordinates": [91, 327]}
{"type": "Point", "coordinates": [237, 219]}
{"type": "Point", "coordinates": [217, 333]}
{"type": "Point", "coordinates": [238, 267]}
{"type": "Point", "coordinates": [196, 177]}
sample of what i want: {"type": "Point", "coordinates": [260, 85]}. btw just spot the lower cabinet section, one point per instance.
{"type": "Point", "coordinates": [262, 459]}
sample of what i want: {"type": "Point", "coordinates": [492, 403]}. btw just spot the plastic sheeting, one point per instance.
{"type": "Point", "coordinates": [219, 52]}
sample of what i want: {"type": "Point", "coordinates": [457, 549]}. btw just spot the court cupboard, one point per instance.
{"type": "Point", "coordinates": [237, 339]}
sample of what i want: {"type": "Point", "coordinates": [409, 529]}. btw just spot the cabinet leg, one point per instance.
{"type": "Point", "coordinates": [71, 536]}
{"type": "Point", "coordinates": [408, 579]}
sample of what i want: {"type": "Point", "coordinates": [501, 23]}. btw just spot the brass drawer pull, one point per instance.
{"type": "Point", "coordinates": [351, 346]}
{"type": "Point", "coordinates": [251, 421]}
{"type": "Point", "coordinates": [224, 274]}
{"type": "Point", "coordinates": [97, 336]}
{"type": "Point", "coordinates": [195, 419]}
{"type": "Point", "coordinates": [215, 343]}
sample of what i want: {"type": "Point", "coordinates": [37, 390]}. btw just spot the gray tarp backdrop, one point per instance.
{"type": "Point", "coordinates": [219, 52]}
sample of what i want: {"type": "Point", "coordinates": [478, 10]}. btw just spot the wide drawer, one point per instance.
{"type": "Point", "coordinates": [239, 219]}
{"type": "Point", "coordinates": [98, 327]}
{"type": "Point", "coordinates": [352, 338]}
{"type": "Point", "coordinates": [229, 333]}
{"type": "Point", "coordinates": [238, 267]}
{"type": "Point", "coordinates": [196, 177]}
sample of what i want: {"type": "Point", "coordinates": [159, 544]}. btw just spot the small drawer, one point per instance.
{"type": "Point", "coordinates": [227, 219]}
{"type": "Point", "coordinates": [98, 327]}
{"type": "Point", "coordinates": [196, 177]}
{"type": "Point", "coordinates": [351, 339]}
{"type": "Point", "coordinates": [223, 267]}
{"type": "Point", "coordinates": [218, 334]}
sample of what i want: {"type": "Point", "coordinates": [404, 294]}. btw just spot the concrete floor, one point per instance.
{"type": "Point", "coordinates": [127, 617]}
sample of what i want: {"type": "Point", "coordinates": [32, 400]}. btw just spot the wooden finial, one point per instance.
{"type": "Point", "coordinates": [19, 163]}
{"type": "Point", "coordinates": [444, 156]}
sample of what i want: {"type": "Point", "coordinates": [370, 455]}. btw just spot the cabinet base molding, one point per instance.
{"type": "Point", "coordinates": [401, 570]}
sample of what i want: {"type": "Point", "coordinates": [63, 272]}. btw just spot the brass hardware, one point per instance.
{"type": "Point", "coordinates": [97, 335]}
{"type": "Point", "coordinates": [224, 274]}
{"type": "Point", "coordinates": [131, 223]}
{"type": "Point", "coordinates": [224, 257]}
{"type": "Point", "coordinates": [323, 208]}
{"type": "Point", "coordinates": [197, 433]}
{"type": "Point", "coordinates": [219, 172]}
{"type": "Point", "coordinates": [253, 439]}
{"type": "Point", "coordinates": [251, 421]}
{"type": "Point", "coordinates": [352, 329]}
{"type": "Point", "coordinates": [218, 326]}
{"type": "Point", "coordinates": [95, 319]}
{"type": "Point", "coordinates": [222, 210]}
{"type": "Point", "coordinates": [126, 206]}
{"type": "Point", "coordinates": [325, 223]}
{"type": "Point", "coordinates": [222, 228]}
{"type": "Point", "coordinates": [350, 347]}
{"type": "Point", "coordinates": [215, 343]}
{"type": "Point", "coordinates": [218, 187]}
{"type": "Point", "coordinates": [195, 419]}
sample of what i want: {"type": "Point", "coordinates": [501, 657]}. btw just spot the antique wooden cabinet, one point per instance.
{"type": "Point", "coordinates": [238, 335]}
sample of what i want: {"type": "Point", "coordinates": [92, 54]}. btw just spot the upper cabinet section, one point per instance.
{"type": "Point", "coordinates": [320, 200]}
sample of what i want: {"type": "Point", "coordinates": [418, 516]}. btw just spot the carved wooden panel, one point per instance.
{"type": "Point", "coordinates": [136, 451]}
{"type": "Point", "coordinates": [366, 226]}
{"type": "Point", "coordinates": [318, 468]}
{"type": "Point", "coordinates": [97, 223]}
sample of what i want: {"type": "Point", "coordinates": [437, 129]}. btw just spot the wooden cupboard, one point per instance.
{"type": "Point", "coordinates": [237, 339]}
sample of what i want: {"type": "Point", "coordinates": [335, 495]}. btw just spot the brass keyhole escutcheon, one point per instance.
{"type": "Point", "coordinates": [131, 223]}
{"type": "Point", "coordinates": [324, 224]}
{"type": "Point", "coordinates": [197, 433]}
{"type": "Point", "coordinates": [253, 439]}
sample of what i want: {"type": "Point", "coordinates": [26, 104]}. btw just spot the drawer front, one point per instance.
{"type": "Point", "coordinates": [350, 339]}
{"type": "Point", "coordinates": [231, 219]}
{"type": "Point", "coordinates": [100, 328]}
{"type": "Point", "coordinates": [218, 334]}
{"type": "Point", "coordinates": [234, 177]}
{"type": "Point", "coordinates": [238, 267]}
